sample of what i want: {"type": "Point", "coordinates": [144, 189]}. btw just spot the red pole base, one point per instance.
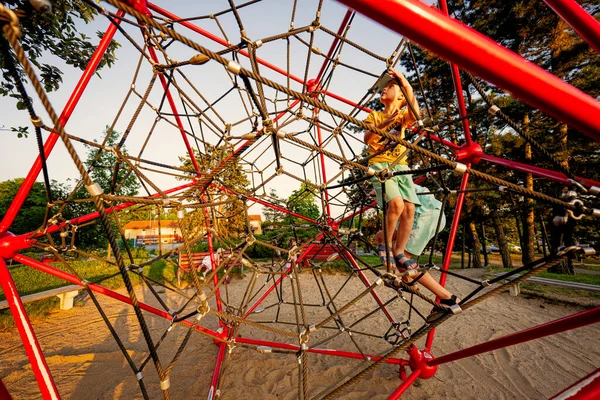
{"type": "Point", "coordinates": [418, 362]}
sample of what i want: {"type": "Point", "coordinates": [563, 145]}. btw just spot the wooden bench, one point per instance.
{"type": "Point", "coordinates": [320, 252]}
{"type": "Point", "coordinates": [184, 262]}
{"type": "Point", "coordinates": [515, 289]}
{"type": "Point", "coordinates": [66, 294]}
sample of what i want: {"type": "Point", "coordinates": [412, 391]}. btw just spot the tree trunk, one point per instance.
{"type": "Point", "coordinates": [462, 252]}
{"type": "Point", "coordinates": [527, 249]}
{"type": "Point", "coordinates": [486, 261]}
{"type": "Point", "coordinates": [476, 246]}
{"type": "Point", "coordinates": [545, 242]}
{"type": "Point", "coordinates": [502, 245]}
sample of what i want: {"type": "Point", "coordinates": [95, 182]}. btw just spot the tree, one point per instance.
{"type": "Point", "coordinates": [273, 217]}
{"type": "Point", "coordinates": [31, 215]}
{"type": "Point", "coordinates": [228, 219]}
{"type": "Point", "coordinates": [302, 201]}
{"type": "Point", "coordinates": [101, 165]}
{"type": "Point", "coordinates": [54, 32]}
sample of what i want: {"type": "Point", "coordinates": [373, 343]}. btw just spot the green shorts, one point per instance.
{"type": "Point", "coordinates": [396, 186]}
{"type": "Point", "coordinates": [426, 220]}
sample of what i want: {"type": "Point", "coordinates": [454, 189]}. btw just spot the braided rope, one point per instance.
{"type": "Point", "coordinates": [316, 103]}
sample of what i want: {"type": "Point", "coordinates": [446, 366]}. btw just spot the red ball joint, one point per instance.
{"type": "Point", "coordinates": [312, 86]}
{"type": "Point", "coordinates": [418, 360]}
{"type": "Point", "coordinates": [140, 6]}
{"type": "Point", "coordinates": [469, 153]}
{"type": "Point", "coordinates": [10, 244]}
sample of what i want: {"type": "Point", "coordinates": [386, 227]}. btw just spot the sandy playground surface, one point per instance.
{"type": "Point", "coordinates": [87, 364]}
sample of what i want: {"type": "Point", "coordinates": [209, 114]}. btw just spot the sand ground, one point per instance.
{"type": "Point", "coordinates": [86, 363]}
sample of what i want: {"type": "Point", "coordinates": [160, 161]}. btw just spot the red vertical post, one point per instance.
{"type": "Point", "coordinates": [322, 159]}
{"type": "Point", "coordinates": [452, 237]}
{"type": "Point", "coordinates": [30, 342]}
{"type": "Point", "coordinates": [89, 71]}
{"type": "Point", "coordinates": [212, 393]}
{"type": "Point", "coordinates": [458, 88]}
{"type": "Point", "coordinates": [584, 24]}
{"type": "Point", "coordinates": [213, 261]}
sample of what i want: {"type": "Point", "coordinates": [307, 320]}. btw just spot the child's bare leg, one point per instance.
{"type": "Point", "coordinates": [406, 224]}
{"type": "Point", "coordinates": [430, 283]}
{"type": "Point", "coordinates": [395, 207]}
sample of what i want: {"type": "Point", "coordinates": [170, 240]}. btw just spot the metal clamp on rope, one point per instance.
{"type": "Point", "coordinates": [94, 189]}
{"type": "Point", "coordinates": [460, 168]}
{"type": "Point", "coordinates": [264, 349]}
{"type": "Point", "coordinates": [234, 67]}
{"type": "Point", "coordinates": [493, 109]}
{"type": "Point", "coordinates": [139, 376]}
{"type": "Point", "coordinates": [36, 121]}
{"type": "Point", "coordinates": [164, 385]}
{"type": "Point", "coordinates": [180, 213]}
{"type": "Point", "coordinates": [595, 190]}
{"type": "Point", "coordinates": [455, 309]}
{"type": "Point", "coordinates": [575, 203]}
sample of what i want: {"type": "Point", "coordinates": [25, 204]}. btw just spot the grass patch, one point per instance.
{"type": "Point", "coordinates": [29, 280]}
{"type": "Point", "coordinates": [587, 265]}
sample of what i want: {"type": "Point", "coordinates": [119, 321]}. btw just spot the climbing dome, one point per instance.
{"type": "Point", "coordinates": [210, 110]}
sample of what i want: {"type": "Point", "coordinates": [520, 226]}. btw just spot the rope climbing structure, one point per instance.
{"type": "Point", "coordinates": [218, 110]}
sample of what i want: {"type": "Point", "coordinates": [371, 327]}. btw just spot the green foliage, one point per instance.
{"type": "Point", "coordinates": [230, 219]}
{"type": "Point", "coordinates": [54, 33]}
{"type": "Point", "coordinates": [29, 281]}
{"type": "Point", "coordinates": [31, 214]}
{"type": "Point", "coordinates": [303, 201]}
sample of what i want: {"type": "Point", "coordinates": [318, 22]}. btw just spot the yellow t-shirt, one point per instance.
{"type": "Point", "coordinates": [375, 146]}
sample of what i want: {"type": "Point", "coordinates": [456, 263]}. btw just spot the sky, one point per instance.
{"type": "Point", "coordinates": [108, 91]}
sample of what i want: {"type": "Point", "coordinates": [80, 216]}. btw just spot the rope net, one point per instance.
{"type": "Point", "coordinates": [220, 110]}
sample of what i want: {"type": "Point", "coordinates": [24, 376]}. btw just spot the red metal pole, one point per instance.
{"type": "Point", "coordinates": [482, 56]}
{"type": "Point", "coordinates": [587, 388]}
{"type": "Point", "coordinates": [89, 71]}
{"type": "Point", "coordinates": [268, 204]}
{"type": "Point", "coordinates": [30, 342]}
{"type": "Point", "coordinates": [94, 215]}
{"type": "Point", "coordinates": [574, 321]}
{"type": "Point", "coordinates": [583, 23]}
{"type": "Point", "coordinates": [448, 256]}
{"type": "Point", "coordinates": [4, 394]}
{"type": "Point", "coordinates": [458, 88]}
{"type": "Point", "coordinates": [322, 159]}
{"type": "Point", "coordinates": [333, 45]}
{"type": "Point", "coordinates": [212, 393]}
{"type": "Point", "coordinates": [329, 352]}
{"type": "Point", "coordinates": [223, 42]}
{"type": "Point", "coordinates": [213, 261]}
{"type": "Point", "coordinates": [405, 385]}
{"type": "Point", "coordinates": [544, 173]}
{"type": "Point", "coordinates": [102, 290]}
{"type": "Point", "coordinates": [165, 86]}
{"type": "Point", "coordinates": [244, 146]}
